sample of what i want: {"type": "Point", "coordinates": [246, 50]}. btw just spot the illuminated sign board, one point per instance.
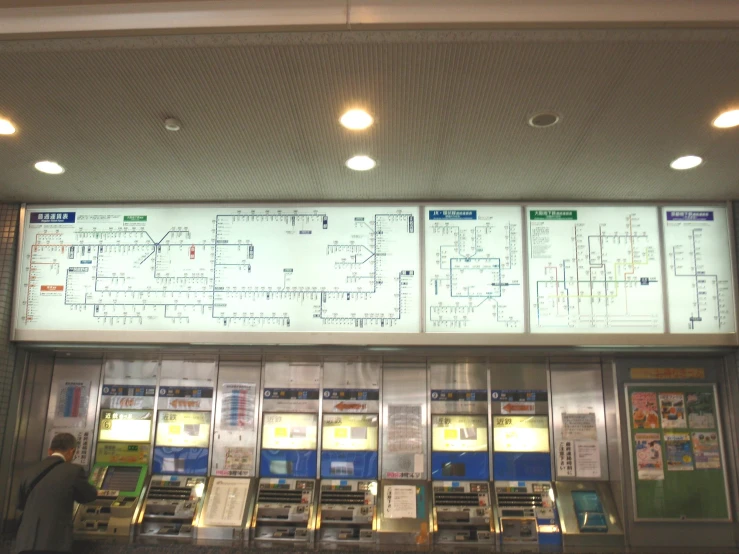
{"type": "Point", "coordinates": [125, 426]}
{"type": "Point", "coordinates": [521, 434]}
{"type": "Point", "coordinates": [456, 433]}
{"type": "Point", "coordinates": [290, 431]}
{"type": "Point", "coordinates": [350, 432]}
{"type": "Point", "coordinates": [183, 429]}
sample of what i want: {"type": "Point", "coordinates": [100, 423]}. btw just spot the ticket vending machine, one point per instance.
{"type": "Point", "coordinates": [587, 508]}
{"type": "Point", "coordinates": [349, 462]}
{"type": "Point", "coordinates": [227, 509]}
{"type": "Point", "coordinates": [122, 453]}
{"type": "Point", "coordinates": [181, 449]}
{"type": "Point", "coordinates": [286, 496]}
{"type": "Point", "coordinates": [525, 498]}
{"type": "Point", "coordinates": [460, 463]}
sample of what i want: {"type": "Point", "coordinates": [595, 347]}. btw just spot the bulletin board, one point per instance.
{"type": "Point", "coordinates": [678, 465]}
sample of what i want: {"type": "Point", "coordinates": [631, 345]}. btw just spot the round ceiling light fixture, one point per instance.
{"type": "Point", "coordinates": [686, 162]}
{"type": "Point", "coordinates": [356, 120]}
{"type": "Point", "coordinates": [172, 124]}
{"type": "Point", "coordinates": [727, 120]}
{"type": "Point", "coordinates": [6, 127]}
{"type": "Point", "coordinates": [544, 119]}
{"type": "Point", "coordinates": [47, 166]}
{"type": "Point", "coordinates": [361, 163]}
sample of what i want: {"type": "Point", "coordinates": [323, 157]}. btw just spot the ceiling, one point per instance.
{"type": "Point", "coordinates": [259, 114]}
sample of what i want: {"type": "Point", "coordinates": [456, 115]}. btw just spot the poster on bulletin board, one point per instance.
{"type": "Point", "coordinates": [677, 453]}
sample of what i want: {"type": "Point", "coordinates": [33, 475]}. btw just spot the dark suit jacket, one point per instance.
{"type": "Point", "coordinates": [47, 517]}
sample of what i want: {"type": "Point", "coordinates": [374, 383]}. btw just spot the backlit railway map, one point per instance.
{"type": "Point", "coordinates": [594, 270]}
{"type": "Point", "coordinates": [699, 285]}
{"type": "Point", "coordinates": [220, 268]}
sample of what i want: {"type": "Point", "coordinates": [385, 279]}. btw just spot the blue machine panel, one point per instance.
{"type": "Point", "coordinates": [180, 461]}
{"type": "Point", "coordinates": [462, 466]}
{"type": "Point", "coordinates": [288, 463]}
{"type": "Point", "coordinates": [350, 464]}
{"type": "Point", "coordinates": [524, 466]}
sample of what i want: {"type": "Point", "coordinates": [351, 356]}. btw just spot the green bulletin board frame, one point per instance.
{"type": "Point", "coordinates": [697, 495]}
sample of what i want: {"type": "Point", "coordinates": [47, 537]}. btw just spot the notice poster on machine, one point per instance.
{"type": "Point", "coordinates": [579, 426]}
{"type": "Point", "coordinates": [587, 459]}
{"type": "Point", "coordinates": [678, 453]}
{"type": "Point", "coordinates": [183, 429]}
{"type": "Point", "coordinates": [649, 456]}
{"type": "Point", "coordinates": [237, 406]}
{"type": "Point", "coordinates": [400, 501]}
{"type": "Point", "coordinates": [459, 433]}
{"type": "Point", "coordinates": [233, 461]}
{"type": "Point", "coordinates": [706, 450]}
{"type": "Point", "coordinates": [71, 404]}
{"type": "Point", "coordinates": [644, 413]}
{"type": "Point", "coordinates": [226, 503]}
{"type": "Point", "coordinates": [700, 410]}
{"type": "Point", "coordinates": [565, 456]}
{"type": "Point", "coordinates": [404, 429]}
{"type": "Point", "coordinates": [672, 410]}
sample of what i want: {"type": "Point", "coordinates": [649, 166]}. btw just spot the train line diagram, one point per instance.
{"type": "Point", "coordinates": [474, 270]}
{"type": "Point", "coordinates": [699, 283]}
{"type": "Point", "coordinates": [595, 270]}
{"type": "Point", "coordinates": [221, 268]}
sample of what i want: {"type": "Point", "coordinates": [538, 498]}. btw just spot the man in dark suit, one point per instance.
{"type": "Point", "coordinates": [48, 503]}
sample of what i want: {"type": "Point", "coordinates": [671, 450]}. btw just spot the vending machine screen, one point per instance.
{"type": "Point", "coordinates": [457, 433]}
{"type": "Point", "coordinates": [290, 431]}
{"type": "Point", "coordinates": [350, 432]}
{"type": "Point", "coordinates": [521, 434]}
{"type": "Point", "coordinates": [121, 478]}
{"type": "Point", "coordinates": [183, 429]}
{"type": "Point", "coordinates": [125, 426]}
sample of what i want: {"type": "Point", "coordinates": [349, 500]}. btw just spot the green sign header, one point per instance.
{"type": "Point", "coordinates": [133, 218]}
{"type": "Point", "coordinates": [553, 214]}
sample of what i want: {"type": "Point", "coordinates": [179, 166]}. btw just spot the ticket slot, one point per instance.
{"type": "Point", "coordinates": [285, 511]}
{"type": "Point", "coordinates": [171, 508]}
{"type": "Point", "coordinates": [347, 512]}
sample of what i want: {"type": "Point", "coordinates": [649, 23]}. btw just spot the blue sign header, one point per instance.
{"type": "Point", "coordinates": [452, 214]}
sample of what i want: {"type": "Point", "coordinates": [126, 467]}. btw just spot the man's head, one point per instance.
{"type": "Point", "coordinates": [64, 444]}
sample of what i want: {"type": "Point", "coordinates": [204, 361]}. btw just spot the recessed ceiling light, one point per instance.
{"type": "Point", "coordinates": [356, 120]}
{"type": "Point", "coordinates": [52, 168]}
{"type": "Point", "coordinates": [544, 119]}
{"type": "Point", "coordinates": [6, 127]}
{"type": "Point", "coordinates": [727, 119]}
{"type": "Point", "coordinates": [686, 162]}
{"type": "Point", "coordinates": [360, 163]}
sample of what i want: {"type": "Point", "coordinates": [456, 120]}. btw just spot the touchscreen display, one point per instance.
{"type": "Point", "coordinates": [290, 431]}
{"type": "Point", "coordinates": [121, 478]}
{"type": "Point", "coordinates": [350, 432]}
{"type": "Point", "coordinates": [125, 426]}
{"type": "Point", "coordinates": [456, 433]}
{"type": "Point", "coordinates": [521, 434]}
{"type": "Point", "coordinates": [183, 429]}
